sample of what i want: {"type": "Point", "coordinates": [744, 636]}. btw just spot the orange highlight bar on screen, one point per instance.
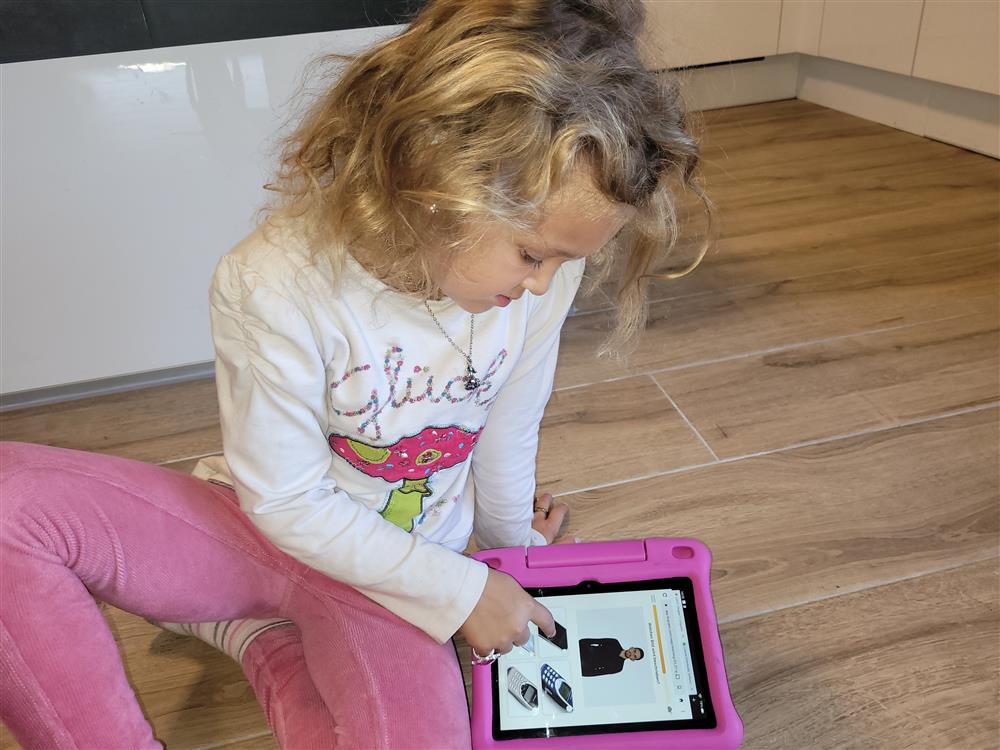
{"type": "Point", "coordinates": [659, 640]}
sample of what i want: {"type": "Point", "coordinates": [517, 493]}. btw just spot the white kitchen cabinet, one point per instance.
{"type": "Point", "coordinates": [681, 33]}
{"type": "Point", "coordinates": [801, 21]}
{"type": "Point", "coordinates": [876, 33]}
{"type": "Point", "coordinates": [960, 44]}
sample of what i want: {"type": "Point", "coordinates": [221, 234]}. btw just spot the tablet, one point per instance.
{"type": "Point", "coordinates": [636, 660]}
{"type": "Point", "coordinates": [626, 657]}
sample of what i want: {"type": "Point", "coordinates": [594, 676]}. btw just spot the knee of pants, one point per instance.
{"type": "Point", "coordinates": [16, 459]}
{"type": "Point", "coordinates": [44, 504]}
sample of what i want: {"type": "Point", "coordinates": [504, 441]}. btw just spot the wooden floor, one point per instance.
{"type": "Point", "coordinates": [818, 403]}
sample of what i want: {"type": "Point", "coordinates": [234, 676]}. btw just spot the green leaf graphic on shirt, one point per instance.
{"type": "Point", "coordinates": [406, 502]}
{"type": "Point", "coordinates": [370, 453]}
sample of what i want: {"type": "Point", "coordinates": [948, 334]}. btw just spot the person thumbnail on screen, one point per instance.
{"type": "Point", "coordinates": [602, 656]}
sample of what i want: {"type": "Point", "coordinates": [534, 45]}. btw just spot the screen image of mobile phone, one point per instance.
{"type": "Point", "coordinates": [560, 639]}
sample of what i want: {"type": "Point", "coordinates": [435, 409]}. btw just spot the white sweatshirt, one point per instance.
{"type": "Point", "coordinates": [348, 433]}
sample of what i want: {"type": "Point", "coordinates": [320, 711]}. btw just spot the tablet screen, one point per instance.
{"type": "Point", "coordinates": [626, 657]}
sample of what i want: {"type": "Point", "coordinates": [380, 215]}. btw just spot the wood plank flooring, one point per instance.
{"type": "Point", "coordinates": [818, 402]}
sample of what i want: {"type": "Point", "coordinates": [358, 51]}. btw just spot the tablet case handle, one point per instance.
{"type": "Point", "coordinates": [593, 553]}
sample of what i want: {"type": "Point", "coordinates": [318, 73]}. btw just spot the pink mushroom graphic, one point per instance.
{"type": "Point", "coordinates": [412, 460]}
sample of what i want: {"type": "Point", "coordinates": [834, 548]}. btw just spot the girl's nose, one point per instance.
{"type": "Point", "coordinates": [539, 280]}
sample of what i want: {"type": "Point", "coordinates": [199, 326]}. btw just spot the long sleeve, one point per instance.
{"type": "Point", "coordinates": [503, 465]}
{"type": "Point", "coordinates": [271, 385]}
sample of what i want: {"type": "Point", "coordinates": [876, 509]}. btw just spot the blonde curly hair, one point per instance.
{"type": "Point", "coordinates": [475, 113]}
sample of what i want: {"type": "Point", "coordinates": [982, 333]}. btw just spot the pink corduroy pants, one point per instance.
{"type": "Point", "coordinates": [168, 546]}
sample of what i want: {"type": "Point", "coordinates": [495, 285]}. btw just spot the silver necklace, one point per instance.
{"type": "Point", "coordinates": [471, 381]}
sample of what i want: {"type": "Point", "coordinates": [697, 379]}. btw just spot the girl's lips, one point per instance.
{"type": "Point", "coordinates": [502, 301]}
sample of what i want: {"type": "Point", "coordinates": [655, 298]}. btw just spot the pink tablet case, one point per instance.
{"type": "Point", "coordinates": [608, 562]}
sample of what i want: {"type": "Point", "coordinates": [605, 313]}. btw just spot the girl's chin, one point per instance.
{"type": "Point", "coordinates": [476, 306]}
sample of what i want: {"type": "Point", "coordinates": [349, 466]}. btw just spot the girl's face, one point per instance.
{"type": "Point", "coordinates": [505, 263]}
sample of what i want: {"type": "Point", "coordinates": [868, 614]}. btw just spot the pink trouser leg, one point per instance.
{"type": "Point", "coordinates": [167, 546]}
{"type": "Point", "coordinates": [275, 666]}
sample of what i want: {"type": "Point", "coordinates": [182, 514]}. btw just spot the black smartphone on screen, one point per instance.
{"type": "Point", "coordinates": [559, 639]}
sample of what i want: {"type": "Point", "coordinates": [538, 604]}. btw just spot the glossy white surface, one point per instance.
{"type": "Point", "coordinates": [124, 177]}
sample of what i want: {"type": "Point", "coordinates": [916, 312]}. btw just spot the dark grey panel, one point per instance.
{"type": "Point", "coordinates": [184, 22]}
{"type": "Point", "coordinates": [38, 29]}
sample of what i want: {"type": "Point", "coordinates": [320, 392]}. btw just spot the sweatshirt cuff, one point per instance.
{"type": "Point", "coordinates": [537, 539]}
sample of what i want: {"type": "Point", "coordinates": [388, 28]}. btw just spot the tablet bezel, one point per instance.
{"type": "Point", "coordinates": [698, 665]}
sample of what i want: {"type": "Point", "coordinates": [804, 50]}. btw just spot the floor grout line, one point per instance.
{"type": "Point", "coordinates": [859, 589]}
{"type": "Point", "coordinates": [641, 478]}
{"type": "Point", "coordinates": [810, 342]}
{"type": "Point", "coordinates": [769, 350]}
{"type": "Point", "coordinates": [214, 745]}
{"type": "Point", "coordinates": [785, 448]}
{"type": "Point", "coordinates": [189, 458]}
{"type": "Point", "coordinates": [684, 417]}
{"type": "Point", "coordinates": [577, 386]}
{"type": "Point", "coordinates": [783, 279]}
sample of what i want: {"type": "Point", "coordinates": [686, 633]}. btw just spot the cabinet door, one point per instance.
{"type": "Point", "coordinates": [877, 33]}
{"type": "Point", "coordinates": [960, 44]}
{"type": "Point", "coordinates": [706, 31]}
{"type": "Point", "coordinates": [801, 21]}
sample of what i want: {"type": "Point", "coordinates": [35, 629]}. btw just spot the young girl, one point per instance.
{"type": "Point", "coordinates": [386, 342]}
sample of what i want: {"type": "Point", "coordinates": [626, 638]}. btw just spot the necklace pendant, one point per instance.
{"type": "Point", "coordinates": [471, 381]}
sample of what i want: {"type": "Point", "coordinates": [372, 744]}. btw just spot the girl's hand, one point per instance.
{"type": "Point", "coordinates": [549, 517]}
{"type": "Point", "coordinates": [500, 619]}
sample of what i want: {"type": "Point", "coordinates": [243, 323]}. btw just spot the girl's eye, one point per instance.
{"type": "Point", "coordinates": [528, 259]}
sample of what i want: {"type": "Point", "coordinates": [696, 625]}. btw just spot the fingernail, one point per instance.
{"type": "Point", "coordinates": [577, 540]}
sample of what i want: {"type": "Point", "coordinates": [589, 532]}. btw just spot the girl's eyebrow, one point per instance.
{"type": "Point", "coordinates": [565, 254]}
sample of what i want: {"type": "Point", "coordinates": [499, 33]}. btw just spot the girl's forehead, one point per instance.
{"type": "Point", "coordinates": [578, 192]}
{"type": "Point", "coordinates": [581, 219]}
{"type": "Point", "coordinates": [576, 220]}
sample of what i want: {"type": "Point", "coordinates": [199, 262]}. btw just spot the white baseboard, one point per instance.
{"type": "Point", "coordinates": [105, 386]}
{"type": "Point", "coordinates": [962, 117]}
{"type": "Point", "coordinates": [732, 85]}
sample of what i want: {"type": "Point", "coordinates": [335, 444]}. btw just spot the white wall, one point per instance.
{"type": "Point", "coordinates": [124, 177]}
